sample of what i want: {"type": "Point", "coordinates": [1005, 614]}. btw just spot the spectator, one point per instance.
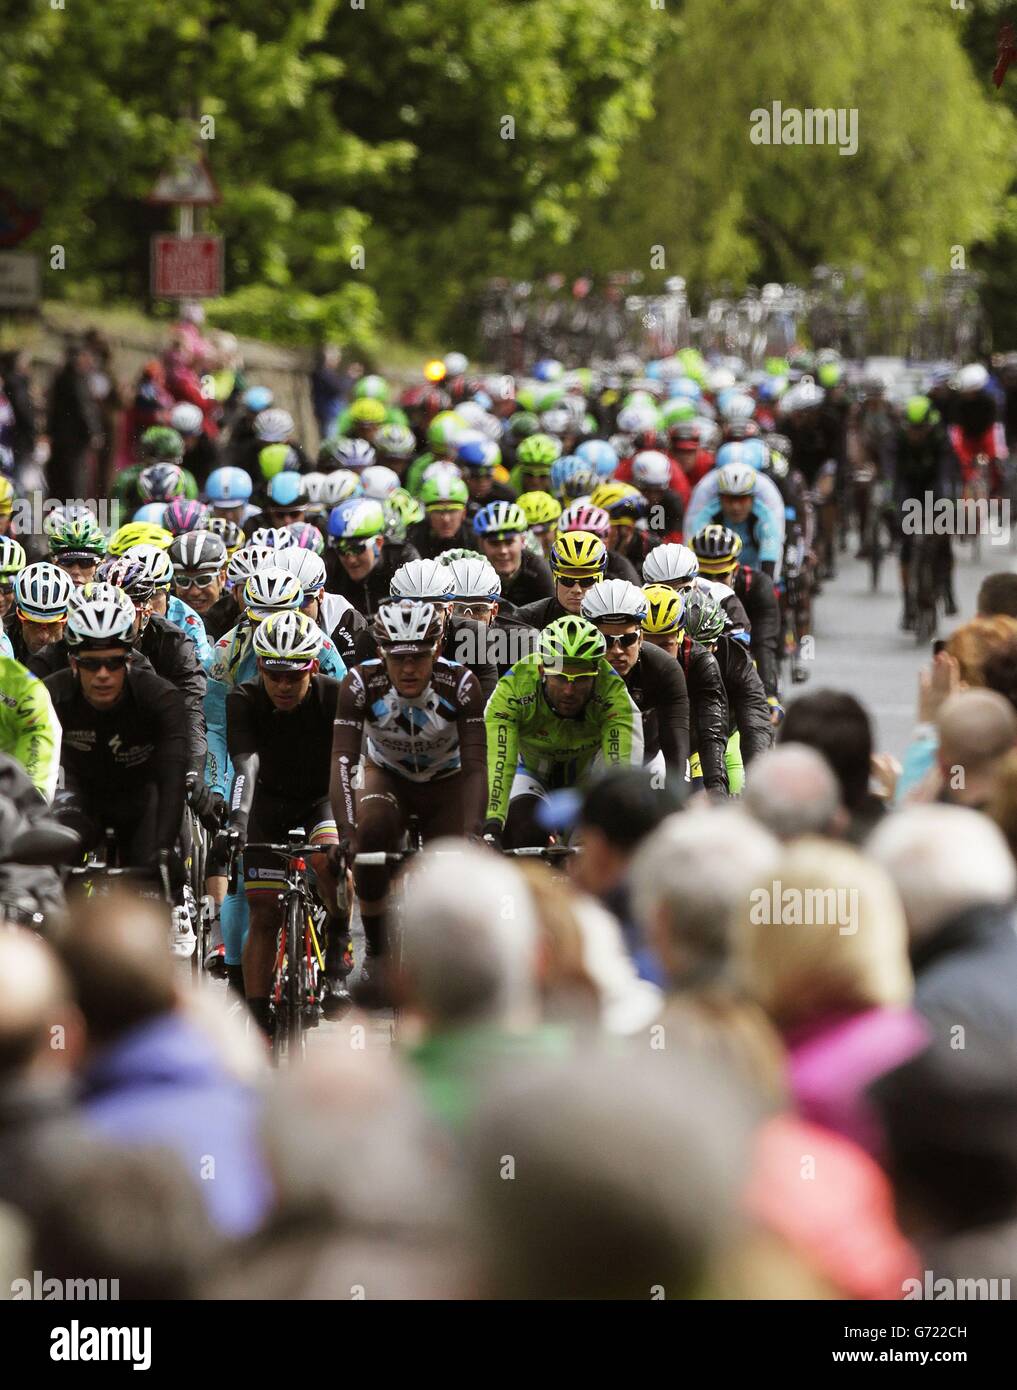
{"type": "Point", "coordinates": [791, 790]}
{"type": "Point", "coordinates": [330, 387]}
{"type": "Point", "coordinates": [977, 728]}
{"type": "Point", "coordinates": [74, 424]}
{"type": "Point", "coordinates": [822, 947]}
{"type": "Point", "coordinates": [997, 596]}
{"type": "Point", "coordinates": [973, 644]}
{"type": "Point", "coordinates": [836, 725]}
{"type": "Point", "coordinates": [17, 385]}
{"type": "Point", "coordinates": [153, 1075]}
{"type": "Point", "coordinates": [957, 881]}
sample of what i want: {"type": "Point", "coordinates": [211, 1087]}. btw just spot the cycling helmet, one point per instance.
{"type": "Point", "coordinates": [257, 398]}
{"type": "Point", "coordinates": [101, 616]}
{"type": "Point", "coordinates": [402, 510]}
{"type": "Point", "coordinates": [717, 548]}
{"type": "Point", "coordinates": [919, 411]}
{"type": "Point", "coordinates": [571, 640]}
{"type": "Point", "coordinates": [563, 468]}
{"type": "Point", "coordinates": [81, 537]}
{"type": "Point", "coordinates": [499, 519]}
{"type": "Point", "coordinates": [705, 620]}
{"type": "Point", "coordinates": [557, 421]}
{"type": "Point", "coordinates": [287, 490]}
{"type": "Point", "coordinates": [665, 610]}
{"type": "Point", "coordinates": [600, 454]}
{"type": "Point", "coordinates": [407, 626]}
{"type": "Point", "coordinates": [548, 369]}
{"type": "Point", "coordinates": [581, 516]}
{"type": "Point", "coordinates": [358, 519]}
{"type": "Point", "coordinates": [523, 424]}
{"type": "Point", "coordinates": [578, 553]}
{"type": "Point", "coordinates": [198, 552]}
{"type": "Point", "coordinates": [270, 591]}
{"type": "Point", "coordinates": [477, 453]}
{"type": "Point", "coordinates": [372, 387]}
{"type": "Point", "coordinates": [720, 379]}
{"type": "Point", "coordinates": [305, 537]}
{"type": "Point", "coordinates": [187, 418]}
{"type": "Point", "coordinates": [138, 533]}
{"type": "Point", "coordinates": [127, 574]}
{"type": "Point", "coordinates": [445, 429]}
{"type": "Point", "coordinates": [753, 453]}
{"type": "Point", "coordinates": [41, 592]}
{"type": "Point", "coordinates": [288, 641]}
{"type": "Point", "coordinates": [675, 412]}
{"type": "Point", "coordinates": [12, 557]}
{"type": "Point", "coordinates": [622, 502]}
{"type": "Point", "coordinates": [805, 395]}
{"type": "Point", "coordinates": [539, 508]}
{"type": "Point", "coordinates": [275, 537]}
{"type": "Point", "coordinates": [367, 411]}
{"type": "Point", "coordinates": [151, 514]}
{"type": "Point", "coordinates": [248, 560]}
{"type": "Point", "coordinates": [739, 405]}
{"type": "Point", "coordinates": [273, 426]}
{"type": "Point", "coordinates": [340, 486]}
{"type": "Point", "coordinates": [736, 480]}
{"type": "Point", "coordinates": [422, 579]}
{"type": "Point", "coordinates": [231, 535]}
{"type": "Point", "coordinates": [830, 374]}
{"type": "Point", "coordinates": [314, 486]}
{"type": "Point", "coordinates": [160, 444]}
{"type": "Point", "coordinates": [474, 578]}
{"type": "Point", "coordinates": [651, 468]}
{"type": "Point", "coordinates": [379, 482]}
{"type": "Point", "coordinates": [685, 386]}
{"type": "Point", "coordinates": [277, 458]}
{"type": "Point", "coordinates": [308, 568]}
{"type": "Point", "coordinates": [444, 492]}
{"type": "Point", "coordinates": [537, 453]}
{"type": "Point", "coordinates": [228, 487]}
{"type": "Point", "coordinates": [973, 377]}
{"type": "Point", "coordinates": [641, 418]}
{"type": "Point", "coordinates": [161, 482]}
{"type": "Point", "coordinates": [184, 515]}
{"type": "Point", "coordinates": [155, 563]}
{"type": "Point", "coordinates": [670, 564]}
{"type": "Point", "coordinates": [56, 517]}
{"type": "Point", "coordinates": [614, 601]}
{"type": "Point", "coordinates": [353, 454]}
{"type": "Point", "coordinates": [395, 442]}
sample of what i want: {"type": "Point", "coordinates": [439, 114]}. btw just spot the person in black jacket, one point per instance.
{"type": "Point", "coordinates": [361, 571]}
{"type": "Point", "coordinates": [717, 549]}
{"type": "Point", "coordinates": [706, 622]}
{"type": "Point", "coordinates": [501, 530]}
{"type": "Point", "coordinates": [74, 425]}
{"type": "Point", "coordinates": [479, 611]}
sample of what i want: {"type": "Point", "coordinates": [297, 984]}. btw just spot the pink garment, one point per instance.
{"type": "Point", "coordinates": [833, 1061]}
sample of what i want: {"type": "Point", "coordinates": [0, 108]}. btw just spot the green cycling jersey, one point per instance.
{"type": "Point", "coordinates": [524, 732]}
{"type": "Point", "coordinates": [29, 728]}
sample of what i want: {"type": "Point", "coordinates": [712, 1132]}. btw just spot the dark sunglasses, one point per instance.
{"type": "Point", "coordinates": [296, 514]}
{"type": "Point", "coordinates": [585, 583]}
{"type": "Point", "coordinates": [279, 677]}
{"type": "Point", "coordinates": [352, 547]}
{"type": "Point", "coordinates": [102, 663]}
{"type": "Point", "coordinates": [626, 640]}
{"type": "Point", "coordinates": [6, 589]}
{"type": "Point", "coordinates": [194, 581]}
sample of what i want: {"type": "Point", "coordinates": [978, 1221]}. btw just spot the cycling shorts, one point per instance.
{"type": "Point", "coordinates": [272, 818]}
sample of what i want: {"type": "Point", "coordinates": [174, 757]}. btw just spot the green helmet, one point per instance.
{"type": "Point", "coordinates": [372, 387]}
{"type": "Point", "coordinates": [444, 492]}
{"type": "Point", "coordinates": [829, 374]}
{"type": "Point", "coordinates": [447, 556]}
{"type": "Point", "coordinates": [395, 441]}
{"type": "Point", "coordinates": [571, 640]}
{"type": "Point", "coordinates": [277, 458]}
{"type": "Point", "coordinates": [522, 424]}
{"type": "Point", "coordinates": [79, 536]}
{"type": "Point", "coordinates": [679, 409]}
{"type": "Point", "coordinates": [160, 444]}
{"type": "Point", "coordinates": [443, 429]}
{"type": "Point", "coordinates": [919, 411]}
{"type": "Point", "coordinates": [537, 453]}
{"type": "Point", "coordinates": [402, 510]}
{"type": "Point", "coordinates": [705, 620]}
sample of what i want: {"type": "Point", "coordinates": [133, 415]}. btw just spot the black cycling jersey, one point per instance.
{"type": "Point", "coordinates": [499, 492]}
{"type": "Point", "coordinates": [281, 755]}
{"type": "Point", "coordinates": [618, 567]}
{"type": "Point", "coordinates": [746, 698]}
{"type": "Point", "coordinates": [544, 611]}
{"type": "Point", "coordinates": [430, 545]}
{"type": "Point", "coordinates": [174, 657]}
{"type": "Point", "coordinates": [366, 594]}
{"type": "Point", "coordinates": [112, 760]}
{"type": "Point", "coordinates": [708, 700]}
{"type": "Point", "coordinates": [222, 616]}
{"type": "Point", "coordinates": [657, 685]}
{"type": "Point", "coordinates": [758, 597]}
{"type": "Point", "coordinates": [531, 581]}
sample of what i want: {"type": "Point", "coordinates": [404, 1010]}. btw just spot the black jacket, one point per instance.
{"type": "Point", "coordinates": [430, 546]}
{"type": "Point", "coordinates": [657, 685]}
{"type": "Point", "coordinates": [708, 700]}
{"type": "Point", "coordinates": [531, 581]}
{"type": "Point", "coordinates": [544, 611]}
{"type": "Point", "coordinates": [366, 594]}
{"type": "Point", "coordinates": [746, 698]}
{"type": "Point", "coordinates": [759, 599]}
{"type": "Point", "coordinates": [174, 657]}
{"type": "Point", "coordinates": [222, 616]}
{"type": "Point", "coordinates": [620, 568]}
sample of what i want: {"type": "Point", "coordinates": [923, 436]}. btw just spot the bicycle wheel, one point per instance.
{"type": "Point", "coordinates": [295, 973]}
{"type": "Point", "coordinates": [875, 552]}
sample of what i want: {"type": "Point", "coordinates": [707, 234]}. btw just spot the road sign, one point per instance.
{"type": "Point", "coordinates": [188, 180]}
{"type": "Point", "coordinates": [186, 267]}
{"type": "Point", "coordinates": [16, 221]}
{"type": "Point", "coordinates": [19, 280]}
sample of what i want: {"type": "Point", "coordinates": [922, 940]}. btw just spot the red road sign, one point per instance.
{"type": "Point", "coordinates": [186, 267]}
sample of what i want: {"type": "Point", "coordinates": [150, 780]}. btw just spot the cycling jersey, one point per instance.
{"type": "Point", "coordinates": [749, 712]}
{"type": "Point", "coordinates": [183, 616]}
{"type": "Point", "coordinates": [221, 617]}
{"type": "Point", "coordinates": [175, 659]}
{"type": "Point", "coordinates": [523, 730]}
{"type": "Point", "coordinates": [759, 598]}
{"type": "Point", "coordinates": [656, 683]}
{"type": "Point", "coordinates": [6, 649]}
{"type": "Point", "coordinates": [29, 728]}
{"type": "Point", "coordinates": [531, 581]}
{"type": "Point", "coordinates": [430, 545]}
{"type": "Point", "coordinates": [365, 594]}
{"type": "Point", "coordinates": [710, 714]}
{"type": "Point", "coordinates": [620, 567]}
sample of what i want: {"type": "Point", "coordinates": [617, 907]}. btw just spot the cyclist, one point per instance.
{"type": "Point", "coordinates": [654, 680]}
{"type": "Point", "coordinates": [138, 533]}
{"type": "Point", "coordinates": [542, 512]}
{"type": "Point", "coordinates": [77, 545]}
{"type": "Point", "coordinates": [361, 560]}
{"type": "Point", "coordinates": [125, 749]}
{"type": "Point", "coordinates": [743, 510]}
{"type": "Point", "coordinates": [718, 549]}
{"type": "Point", "coordinates": [279, 738]}
{"type": "Point", "coordinates": [41, 595]}
{"type": "Point", "coordinates": [501, 528]}
{"type": "Point", "coordinates": [336, 616]}
{"type": "Point", "coordinates": [29, 728]}
{"type": "Point", "coordinates": [160, 447]}
{"type": "Point", "coordinates": [419, 721]}
{"type": "Point", "coordinates": [534, 458]}
{"type": "Point", "coordinates": [627, 508]}
{"type": "Point", "coordinates": [444, 497]}
{"type": "Point", "coordinates": [663, 627]}
{"type": "Point", "coordinates": [923, 461]}
{"type": "Point", "coordinates": [479, 458]}
{"type": "Point", "coordinates": [978, 428]}
{"type": "Point", "coordinates": [554, 717]}
{"type": "Point", "coordinates": [583, 516]}
{"type": "Point", "coordinates": [476, 595]}
{"type": "Point", "coordinates": [228, 492]}
{"type": "Point", "coordinates": [678, 567]}
{"type": "Point", "coordinates": [199, 560]}
{"type": "Point", "coordinates": [286, 499]}
{"type": "Point", "coordinates": [578, 561]}
{"type": "Point", "coordinates": [12, 561]}
{"type": "Point", "coordinates": [157, 566]}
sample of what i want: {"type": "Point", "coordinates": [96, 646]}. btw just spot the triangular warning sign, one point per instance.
{"type": "Point", "coordinates": [189, 180]}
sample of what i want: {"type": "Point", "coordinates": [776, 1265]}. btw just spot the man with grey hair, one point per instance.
{"type": "Point", "coordinates": [791, 790]}
{"type": "Point", "coordinates": [957, 881]}
{"type": "Point", "coordinates": [977, 728]}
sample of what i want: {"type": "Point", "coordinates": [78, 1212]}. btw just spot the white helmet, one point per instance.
{"type": "Point", "coordinates": [614, 601]}
{"type": "Point", "coordinates": [340, 486]}
{"type": "Point", "coordinates": [720, 379]}
{"type": "Point", "coordinates": [275, 537]}
{"type": "Point", "coordinates": [736, 480]}
{"type": "Point", "coordinates": [739, 405]}
{"type": "Point", "coordinates": [802, 396]}
{"type": "Point", "coordinates": [422, 579]}
{"type": "Point", "coordinates": [186, 418]}
{"type": "Point", "coordinates": [273, 426]}
{"type": "Point", "coordinates": [413, 625]}
{"type": "Point", "coordinates": [272, 590]}
{"type": "Point", "coordinates": [379, 482]}
{"type": "Point", "coordinates": [669, 564]}
{"type": "Point", "coordinates": [314, 487]}
{"type": "Point", "coordinates": [651, 468]}
{"type": "Point", "coordinates": [474, 579]}
{"type": "Point", "coordinates": [308, 567]}
{"type": "Point", "coordinates": [456, 363]}
{"type": "Point", "coordinates": [973, 377]}
{"type": "Point", "coordinates": [638, 419]}
{"type": "Point", "coordinates": [441, 472]}
{"type": "Point", "coordinates": [42, 590]}
{"type": "Point", "coordinates": [289, 638]}
{"type": "Point", "coordinates": [100, 615]}
{"type": "Point", "coordinates": [248, 560]}
{"type": "Point", "coordinates": [155, 563]}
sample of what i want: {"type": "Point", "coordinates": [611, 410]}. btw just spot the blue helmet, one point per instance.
{"type": "Point", "coordinates": [478, 452]}
{"type": "Point", "coordinates": [563, 468]}
{"type": "Point", "coordinates": [358, 518]}
{"type": "Point", "coordinates": [229, 485]}
{"type": "Point", "coordinates": [600, 454]}
{"type": "Point", "coordinates": [685, 386]}
{"type": "Point", "coordinates": [257, 398]}
{"type": "Point", "coordinates": [287, 490]}
{"type": "Point", "coordinates": [548, 369]}
{"type": "Point", "coordinates": [752, 452]}
{"type": "Point", "coordinates": [152, 512]}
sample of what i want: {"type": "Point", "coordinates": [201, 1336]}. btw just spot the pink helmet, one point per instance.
{"type": "Point", "coordinates": [582, 516]}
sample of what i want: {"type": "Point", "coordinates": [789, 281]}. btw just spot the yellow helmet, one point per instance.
{"type": "Point", "coordinates": [540, 508]}
{"type": "Point", "coordinates": [6, 497]}
{"type": "Point", "coordinates": [665, 611]}
{"type": "Point", "coordinates": [139, 533]}
{"type": "Point", "coordinates": [622, 502]}
{"type": "Point", "coordinates": [367, 411]}
{"type": "Point", "coordinates": [578, 553]}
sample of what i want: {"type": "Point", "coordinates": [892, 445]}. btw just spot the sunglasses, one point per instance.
{"type": "Point", "coordinates": [102, 663]}
{"type": "Point", "coordinates": [194, 581]}
{"type": "Point", "coordinates": [291, 675]}
{"type": "Point", "coordinates": [77, 562]}
{"type": "Point", "coordinates": [626, 640]}
{"type": "Point", "coordinates": [296, 514]}
{"type": "Point", "coordinates": [571, 676]}
{"type": "Point", "coordinates": [479, 609]}
{"type": "Point", "coordinates": [586, 582]}
{"type": "Point", "coordinates": [6, 589]}
{"type": "Point", "coordinates": [352, 547]}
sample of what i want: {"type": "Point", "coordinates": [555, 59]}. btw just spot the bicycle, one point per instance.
{"type": "Point", "coordinates": [413, 845]}
{"type": "Point", "coordinates": [924, 587]}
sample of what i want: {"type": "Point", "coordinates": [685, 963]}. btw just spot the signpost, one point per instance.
{"type": "Point", "coordinates": [186, 266]}
{"type": "Point", "coordinates": [19, 280]}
